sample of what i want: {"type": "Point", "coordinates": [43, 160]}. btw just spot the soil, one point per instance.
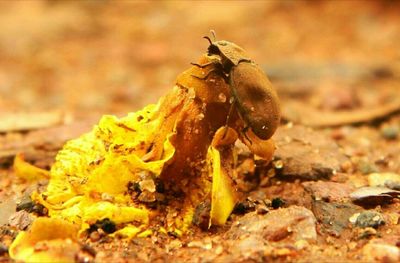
{"type": "Point", "coordinates": [331, 192]}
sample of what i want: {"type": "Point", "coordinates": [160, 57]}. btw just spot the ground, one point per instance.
{"type": "Point", "coordinates": [331, 191]}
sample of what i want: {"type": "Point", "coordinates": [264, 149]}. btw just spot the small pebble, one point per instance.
{"type": "Point", "coordinates": [390, 132]}
{"type": "Point", "coordinates": [88, 249]}
{"type": "Point", "coordinates": [383, 72]}
{"type": "Point", "coordinates": [107, 197]}
{"type": "Point", "coordinates": [337, 134]}
{"type": "Point", "coordinates": [201, 215]}
{"type": "Point", "coordinates": [222, 97]}
{"type": "Point", "coordinates": [173, 245]}
{"type": "Point", "coordinates": [366, 233]}
{"type": "Point", "coordinates": [278, 164]}
{"type": "Point", "coordinates": [347, 166]}
{"type": "Point", "coordinates": [21, 220]}
{"type": "Point", "coordinates": [147, 185]}
{"type": "Point", "coordinates": [390, 180]}
{"type": "Point", "coordinates": [369, 219]}
{"type": "Point", "coordinates": [393, 219]}
{"type": "Point", "coordinates": [105, 225]}
{"type": "Point", "coordinates": [262, 210]}
{"type": "Point", "coordinates": [147, 197]}
{"type": "Point", "coordinates": [244, 207]}
{"type": "Point", "coordinates": [277, 202]}
{"type": "Point", "coordinates": [3, 250]}
{"type": "Point", "coordinates": [94, 236]}
{"type": "Point", "coordinates": [381, 253]}
{"type": "Point", "coordinates": [83, 257]}
{"type": "Point", "coordinates": [373, 196]}
{"type": "Point", "coordinates": [219, 250]}
{"type": "Point", "coordinates": [301, 244]}
{"type": "Point", "coordinates": [366, 167]}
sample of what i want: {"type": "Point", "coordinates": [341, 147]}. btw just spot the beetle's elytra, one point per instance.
{"type": "Point", "coordinates": [256, 100]}
{"type": "Point", "coordinates": [254, 96]}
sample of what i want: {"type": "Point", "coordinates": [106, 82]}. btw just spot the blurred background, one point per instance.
{"type": "Point", "coordinates": [97, 57]}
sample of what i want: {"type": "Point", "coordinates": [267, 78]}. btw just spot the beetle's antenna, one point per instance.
{"type": "Point", "coordinates": [209, 40]}
{"type": "Point", "coordinates": [213, 34]}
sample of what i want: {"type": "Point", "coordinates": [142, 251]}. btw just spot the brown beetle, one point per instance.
{"type": "Point", "coordinates": [254, 96]}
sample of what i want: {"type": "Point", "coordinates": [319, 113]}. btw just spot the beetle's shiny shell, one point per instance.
{"type": "Point", "coordinates": [231, 51]}
{"type": "Point", "coordinates": [256, 99]}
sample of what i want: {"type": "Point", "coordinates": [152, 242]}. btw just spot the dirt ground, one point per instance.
{"type": "Point", "coordinates": [331, 193]}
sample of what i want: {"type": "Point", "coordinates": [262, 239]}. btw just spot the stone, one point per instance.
{"type": "Point", "coordinates": [7, 209]}
{"type": "Point", "coordinates": [292, 224]}
{"type": "Point", "coordinates": [147, 185]}
{"type": "Point", "coordinates": [373, 196]}
{"type": "Point", "coordinates": [21, 220]}
{"type": "Point", "coordinates": [334, 217]}
{"type": "Point", "coordinates": [369, 219]}
{"type": "Point", "coordinates": [390, 132]}
{"type": "Point", "coordinates": [307, 154]}
{"type": "Point", "coordinates": [381, 252]}
{"type": "Point", "coordinates": [390, 180]}
{"type": "Point", "coordinates": [328, 191]}
{"type": "Point", "coordinates": [3, 250]}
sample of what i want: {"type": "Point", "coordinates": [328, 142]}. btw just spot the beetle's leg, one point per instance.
{"type": "Point", "coordinates": [227, 118]}
{"type": "Point", "coordinates": [201, 65]}
{"type": "Point", "coordinates": [245, 129]}
{"type": "Point", "coordinates": [204, 77]}
{"type": "Point", "coordinates": [245, 60]}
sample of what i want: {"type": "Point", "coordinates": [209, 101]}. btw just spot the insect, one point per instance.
{"type": "Point", "coordinates": [253, 94]}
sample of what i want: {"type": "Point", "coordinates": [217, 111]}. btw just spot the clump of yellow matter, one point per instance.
{"type": "Point", "coordinates": [153, 169]}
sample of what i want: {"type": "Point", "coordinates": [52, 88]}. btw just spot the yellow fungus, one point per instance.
{"type": "Point", "coordinates": [160, 162]}
{"type": "Point", "coordinates": [48, 240]}
{"type": "Point", "coordinates": [27, 171]}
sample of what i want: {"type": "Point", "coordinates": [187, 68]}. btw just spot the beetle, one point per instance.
{"type": "Point", "coordinates": [254, 96]}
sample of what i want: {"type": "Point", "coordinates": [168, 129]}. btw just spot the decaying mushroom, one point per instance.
{"type": "Point", "coordinates": [154, 169]}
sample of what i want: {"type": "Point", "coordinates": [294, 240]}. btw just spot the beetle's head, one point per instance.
{"type": "Point", "coordinates": [230, 53]}
{"type": "Point", "coordinates": [213, 49]}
